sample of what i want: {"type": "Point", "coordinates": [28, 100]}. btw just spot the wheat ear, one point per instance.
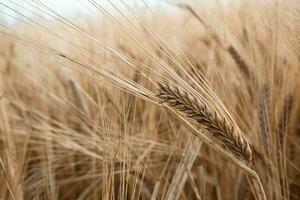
{"type": "Point", "coordinates": [210, 121]}
{"type": "Point", "coordinates": [219, 128]}
{"type": "Point", "coordinates": [241, 63]}
{"type": "Point", "coordinates": [195, 111]}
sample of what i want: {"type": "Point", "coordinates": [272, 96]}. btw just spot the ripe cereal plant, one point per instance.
{"type": "Point", "coordinates": [150, 100]}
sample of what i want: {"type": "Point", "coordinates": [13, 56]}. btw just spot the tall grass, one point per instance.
{"type": "Point", "coordinates": [180, 102]}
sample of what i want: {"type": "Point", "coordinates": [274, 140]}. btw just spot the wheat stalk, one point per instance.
{"type": "Point", "coordinates": [181, 176]}
{"type": "Point", "coordinates": [282, 142]}
{"type": "Point", "coordinates": [283, 120]}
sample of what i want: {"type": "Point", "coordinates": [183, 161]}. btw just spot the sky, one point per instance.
{"type": "Point", "coordinates": [11, 9]}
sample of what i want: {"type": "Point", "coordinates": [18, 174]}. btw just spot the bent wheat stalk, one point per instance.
{"type": "Point", "coordinates": [236, 147]}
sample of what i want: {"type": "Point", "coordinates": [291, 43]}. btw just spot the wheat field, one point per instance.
{"type": "Point", "coordinates": [190, 100]}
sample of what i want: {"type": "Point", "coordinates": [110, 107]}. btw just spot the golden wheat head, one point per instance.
{"type": "Point", "coordinates": [210, 121]}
